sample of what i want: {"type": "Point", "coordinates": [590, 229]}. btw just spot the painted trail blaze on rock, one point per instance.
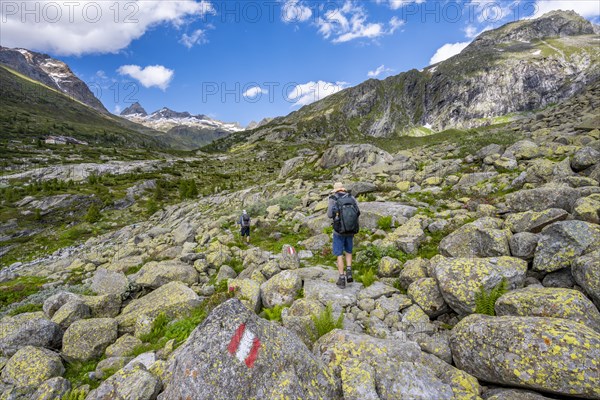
{"type": "Point", "coordinates": [244, 345]}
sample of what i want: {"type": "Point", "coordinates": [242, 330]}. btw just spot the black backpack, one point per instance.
{"type": "Point", "coordinates": [345, 220]}
{"type": "Point", "coordinates": [245, 220]}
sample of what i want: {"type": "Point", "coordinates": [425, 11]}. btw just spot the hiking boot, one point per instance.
{"type": "Point", "coordinates": [349, 278]}
{"type": "Point", "coordinates": [341, 283]}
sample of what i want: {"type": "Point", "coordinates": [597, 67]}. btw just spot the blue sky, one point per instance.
{"type": "Point", "coordinates": [245, 60]}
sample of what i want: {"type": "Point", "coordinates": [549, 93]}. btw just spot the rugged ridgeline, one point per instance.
{"type": "Point", "coordinates": [194, 130]}
{"type": "Point", "coordinates": [50, 72]}
{"type": "Point", "coordinates": [520, 67]}
{"type": "Point", "coordinates": [456, 228]}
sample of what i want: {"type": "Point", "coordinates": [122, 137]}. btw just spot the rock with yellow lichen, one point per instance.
{"type": "Point", "coordinates": [132, 382]}
{"type": "Point", "coordinates": [87, 339]}
{"type": "Point", "coordinates": [281, 289]}
{"type": "Point", "coordinates": [28, 329]}
{"type": "Point", "coordinates": [545, 354]}
{"type": "Point", "coordinates": [30, 366]}
{"type": "Point", "coordinates": [401, 369]}
{"type": "Point", "coordinates": [549, 302]}
{"type": "Point", "coordinates": [426, 294]}
{"type": "Point", "coordinates": [234, 354]}
{"type": "Point", "coordinates": [514, 394]}
{"type": "Point", "coordinates": [247, 291]}
{"type": "Point", "coordinates": [52, 389]}
{"type": "Point", "coordinates": [481, 238]}
{"type": "Point", "coordinates": [460, 279]}
{"type": "Point", "coordinates": [562, 242]}
{"type": "Point", "coordinates": [588, 209]}
{"type": "Point", "coordinates": [586, 272]}
{"type": "Point", "coordinates": [156, 274]}
{"type": "Point", "coordinates": [174, 299]}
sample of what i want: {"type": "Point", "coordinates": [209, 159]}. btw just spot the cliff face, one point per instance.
{"type": "Point", "coordinates": [51, 72]}
{"type": "Point", "coordinates": [519, 67]}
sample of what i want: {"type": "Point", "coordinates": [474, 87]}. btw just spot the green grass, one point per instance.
{"type": "Point", "coordinates": [324, 322]}
{"type": "Point", "coordinates": [78, 373]}
{"type": "Point", "coordinates": [19, 288]}
{"type": "Point", "coordinates": [485, 301]}
{"type": "Point", "coordinates": [26, 308]}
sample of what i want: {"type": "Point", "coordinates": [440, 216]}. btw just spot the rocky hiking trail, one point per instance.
{"type": "Point", "coordinates": [478, 277]}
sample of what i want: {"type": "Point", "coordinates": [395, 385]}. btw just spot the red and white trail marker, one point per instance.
{"type": "Point", "coordinates": [244, 345]}
{"type": "Point", "coordinates": [291, 250]}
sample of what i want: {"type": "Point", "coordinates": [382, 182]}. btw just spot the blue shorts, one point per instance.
{"type": "Point", "coordinates": [342, 244]}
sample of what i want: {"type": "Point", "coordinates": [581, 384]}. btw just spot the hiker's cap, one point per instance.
{"type": "Point", "coordinates": [244, 212]}
{"type": "Point", "coordinates": [338, 187]}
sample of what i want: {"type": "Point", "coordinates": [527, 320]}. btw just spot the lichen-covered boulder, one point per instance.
{"type": "Point", "coordinates": [174, 299]}
{"type": "Point", "coordinates": [109, 282]}
{"type": "Point", "coordinates": [298, 318]}
{"type": "Point", "coordinates": [513, 394]}
{"type": "Point", "coordinates": [372, 212]}
{"type": "Point", "coordinates": [585, 158]}
{"type": "Point", "coordinates": [533, 221]}
{"type": "Point", "coordinates": [29, 329]}
{"type": "Point", "coordinates": [481, 238]}
{"type": "Point", "coordinates": [103, 306]}
{"type": "Point", "coordinates": [132, 382]}
{"type": "Point", "coordinates": [586, 272]}
{"type": "Point", "coordinates": [281, 289]}
{"type": "Point", "coordinates": [413, 270]}
{"type": "Point", "coordinates": [71, 312]}
{"type": "Point", "coordinates": [289, 258]}
{"type": "Point", "coordinates": [523, 150]}
{"type": "Point", "coordinates": [123, 346]}
{"type": "Point", "coordinates": [392, 369]}
{"type": "Point", "coordinates": [426, 294]}
{"type": "Point", "coordinates": [542, 198]}
{"type": "Point", "coordinates": [389, 267]}
{"type": "Point", "coordinates": [588, 209]}
{"type": "Point", "coordinates": [460, 279]}
{"type": "Point", "coordinates": [30, 366]}
{"type": "Point", "coordinates": [523, 245]}
{"type": "Point", "coordinates": [53, 303]}
{"type": "Point", "coordinates": [562, 242]}
{"type": "Point", "coordinates": [52, 389]}
{"type": "Point", "coordinates": [355, 154]}
{"type": "Point", "coordinates": [407, 237]}
{"type": "Point", "coordinates": [247, 291]}
{"type": "Point", "coordinates": [549, 302]}
{"type": "Point", "coordinates": [156, 274]}
{"type": "Point", "coordinates": [87, 339]}
{"type": "Point", "coordinates": [234, 354]}
{"type": "Point", "coordinates": [546, 354]}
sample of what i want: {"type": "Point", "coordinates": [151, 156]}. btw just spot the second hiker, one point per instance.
{"type": "Point", "coordinates": [343, 209]}
{"type": "Point", "coordinates": [244, 222]}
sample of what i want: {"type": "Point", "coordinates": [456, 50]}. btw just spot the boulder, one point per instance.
{"type": "Point", "coordinates": [390, 369]}
{"type": "Point", "coordinates": [425, 293]}
{"type": "Point", "coordinates": [358, 188]}
{"type": "Point", "coordinates": [316, 243]}
{"type": "Point", "coordinates": [87, 339]}
{"type": "Point", "coordinates": [185, 232]}
{"type": "Point", "coordinates": [235, 354]}
{"type": "Point", "coordinates": [123, 346]}
{"type": "Point", "coordinates": [281, 289]}
{"type": "Point", "coordinates": [542, 198]}
{"type": "Point", "coordinates": [132, 383]}
{"type": "Point", "coordinates": [174, 299]}
{"type": "Point", "coordinates": [562, 242]}
{"type": "Point", "coordinates": [290, 165]}
{"type": "Point", "coordinates": [477, 239]}
{"type": "Point", "coordinates": [52, 389]}
{"type": "Point", "coordinates": [326, 292]}
{"type": "Point", "coordinates": [290, 258]}
{"type": "Point", "coordinates": [523, 245]}
{"type": "Point", "coordinates": [532, 221]}
{"type": "Point", "coordinates": [513, 394]}
{"type": "Point", "coordinates": [407, 237]}
{"type": "Point", "coordinates": [460, 279]}
{"type": "Point", "coordinates": [54, 302]}
{"type": "Point", "coordinates": [71, 312]}
{"type": "Point", "coordinates": [413, 270]}
{"type": "Point", "coordinates": [247, 291]}
{"type": "Point", "coordinates": [588, 209]}
{"type": "Point", "coordinates": [546, 354]}
{"type": "Point", "coordinates": [549, 302]}
{"type": "Point", "coordinates": [30, 366]}
{"type": "Point", "coordinates": [372, 212]}
{"type": "Point", "coordinates": [105, 306]}
{"type": "Point", "coordinates": [109, 282]}
{"type": "Point", "coordinates": [467, 181]}
{"type": "Point", "coordinates": [377, 290]}
{"type": "Point", "coordinates": [29, 329]}
{"type": "Point", "coordinates": [298, 318]}
{"type": "Point", "coordinates": [586, 272]}
{"type": "Point", "coordinates": [225, 272]}
{"type": "Point", "coordinates": [156, 274]}
{"type": "Point", "coordinates": [389, 267]}
{"type": "Point", "coordinates": [585, 158]}
{"type": "Point", "coordinates": [523, 150]}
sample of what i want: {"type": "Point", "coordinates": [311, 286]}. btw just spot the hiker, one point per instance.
{"type": "Point", "coordinates": [343, 209]}
{"type": "Point", "coordinates": [244, 222]}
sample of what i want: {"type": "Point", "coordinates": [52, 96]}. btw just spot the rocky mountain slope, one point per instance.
{"type": "Point", "coordinates": [198, 130]}
{"type": "Point", "coordinates": [50, 72]}
{"type": "Point", "coordinates": [520, 67]}
{"type": "Point", "coordinates": [476, 278]}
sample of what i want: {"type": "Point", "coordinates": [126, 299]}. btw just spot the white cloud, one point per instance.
{"type": "Point", "coordinates": [396, 23]}
{"type": "Point", "coordinates": [471, 31]}
{"type": "Point", "coordinates": [348, 23]}
{"type": "Point", "coordinates": [585, 8]}
{"type": "Point", "coordinates": [295, 11]}
{"type": "Point", "coordinates": [396, 4]}
{"type": "Point", "coordinates": [255, 91]}
{"type": "Point", "coordinates": [153, 75]}
{"type": "Point", "coordinates": [310, 92]}
{"type": "Point", "coordinates": [197, 37]}
{"type": "Point", "coordinates": [117, 109]}
{"type": "Point", "coordinates": [77, 28]}
{"type": "Point", "coordinates": [446, 51]}
{"type": "Point", "coordinates": [378, 71]}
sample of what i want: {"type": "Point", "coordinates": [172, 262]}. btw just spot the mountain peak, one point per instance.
{"type": "Point", "coordinates": [135, 108]}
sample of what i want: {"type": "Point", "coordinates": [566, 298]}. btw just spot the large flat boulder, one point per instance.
{"type": "Point", "coordinates": [29, 329]}
{"type": "Point", "coordinates": [281, 289]}
{"type": "Point", "coordinates": [542, 198]}
{"type": "Point", "coordinates": [87, 339]}
{"type": "Point", "coordinates": [234, 354]}
{"type": "Point", "coordinates": [481, 238]}
{"type": "Point", "coordinates": [372, 212]}
{"type": "Point", "coordinates": [545, 354]}
{"type": "Point", "coordinates": [156, 274]}
{"type": "Point", "coordinates": [354, 154]}
{"type": "Point", "coordinates": [30, 366]}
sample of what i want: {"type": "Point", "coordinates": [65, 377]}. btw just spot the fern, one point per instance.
{"type": "Point", "coordinates": [75, 394]}
{"type": "Point", "coordinates": [274, 314]}
{"type": "Point", "coordinates": [325, 323]}
{"type": "Point", "coordinates": [485, 301]}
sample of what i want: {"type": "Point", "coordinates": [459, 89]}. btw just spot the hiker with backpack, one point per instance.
{"type": "Point", "coordinates": [244, 222]}
{"type": "Point", "coordinates": [343, 209]}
